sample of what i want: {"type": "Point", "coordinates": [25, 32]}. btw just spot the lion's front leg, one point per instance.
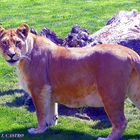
{"type": "Point", "coordinates": [42, 101]}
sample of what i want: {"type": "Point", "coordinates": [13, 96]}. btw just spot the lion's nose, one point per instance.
{"type": "Point", "coordinates": [11, 55]}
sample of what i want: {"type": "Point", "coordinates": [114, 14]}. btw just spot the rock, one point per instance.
{"type": "Point", "coordinates": [123, 28]}
{"type": "Point", "coordinates": [52, 36]}
{"type": "Point", "coordinates": [33, 31]}
{"type": "Point", "coordinates": [78, 37]}
{"type": "Point", "coordinates": [49, 34]}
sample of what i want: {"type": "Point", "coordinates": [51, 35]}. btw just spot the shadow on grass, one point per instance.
{"type": "Point", "coordinates": [12, 91]}
{"type": "Point", "coordinates": [18, 101]}
{"type": "Point", "coordinates": [24, 100]}
{"type": "Point", "coordinates": [102, 124]}
{"type": "Point", "coordinates": [50, 134]}
{"type": "Point", "coordinates": [58, 134]}
{"type": "Point", "coordinates": [131, 137]}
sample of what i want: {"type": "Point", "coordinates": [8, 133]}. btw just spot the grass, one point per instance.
{"type": "Point", "coordinates": [59, 16]}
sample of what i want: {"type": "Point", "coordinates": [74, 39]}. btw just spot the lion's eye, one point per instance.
{"type": "Point", "coordinates": [18, 43]}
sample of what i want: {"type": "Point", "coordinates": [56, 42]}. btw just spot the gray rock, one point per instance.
{"type": "Point", "coordinates": [123, 28]}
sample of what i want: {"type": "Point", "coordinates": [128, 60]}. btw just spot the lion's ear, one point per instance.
{"type": "Point", "coordinates": [23, 30]}
{"type": "Point", "coordinates": [1, 31]}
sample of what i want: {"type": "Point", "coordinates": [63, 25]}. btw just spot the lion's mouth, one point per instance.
{"type": "Point", "coordinates": [12, 61]}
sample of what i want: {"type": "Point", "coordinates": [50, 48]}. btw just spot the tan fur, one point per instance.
{"type": "Point", "coordinates": [98, 76]}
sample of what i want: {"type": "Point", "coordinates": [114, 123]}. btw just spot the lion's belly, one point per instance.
{"type": "Point", "coordinates": [78, 98]}
{"type": "Point", "coordinates": [74, 83]}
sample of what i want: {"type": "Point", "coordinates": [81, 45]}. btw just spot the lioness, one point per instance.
{"type": "Point", "coordinates": [100, 76]}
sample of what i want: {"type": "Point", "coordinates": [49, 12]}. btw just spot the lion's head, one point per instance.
{"type": "Point", "coordinates": [13, 43]}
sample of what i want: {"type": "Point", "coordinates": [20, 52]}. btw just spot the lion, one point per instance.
{"type": "Point", "coordinates": [100, 76]}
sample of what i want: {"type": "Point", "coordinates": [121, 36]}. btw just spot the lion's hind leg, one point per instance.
{"type": "Point", "coordinates": [115, 112]}
{"type": "Point", "coordinates": [113, 99]}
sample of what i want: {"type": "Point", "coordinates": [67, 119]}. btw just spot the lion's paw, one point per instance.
{"type": "Point", "coordinates": [100, 138]}
{"type": "Point", "coordinates": [34, 131]}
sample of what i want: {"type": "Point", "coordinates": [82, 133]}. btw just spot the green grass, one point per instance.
{"type": "Point", "coordinates": [59, 16]}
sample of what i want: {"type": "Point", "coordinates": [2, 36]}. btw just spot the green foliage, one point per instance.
{"type": "Point", "coordinates": [59, 16]}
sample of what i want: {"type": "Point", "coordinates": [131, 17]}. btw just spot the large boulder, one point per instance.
{"type": "Point", "coordinates": [123, 28]}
